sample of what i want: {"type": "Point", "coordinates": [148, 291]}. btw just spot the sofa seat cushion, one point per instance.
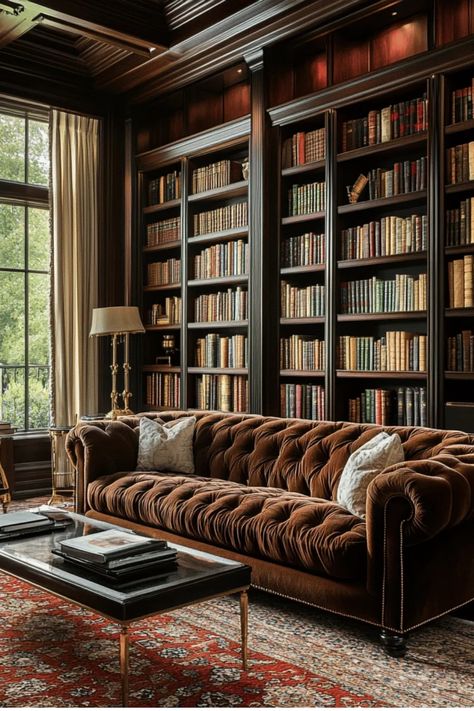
{"type": "Point", "coordinates": [284, 527]}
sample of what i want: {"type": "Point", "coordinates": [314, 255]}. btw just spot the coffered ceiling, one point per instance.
{"type": "Point", "coordinates": [139, 48]}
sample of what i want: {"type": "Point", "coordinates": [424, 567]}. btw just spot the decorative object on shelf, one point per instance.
{"type": "Point", "coordinates": [245, 168]}
{"type": "Point", "coordinates": [168, 344]}
{"type": "Point", "coordinates": [118, 322]}
{"type": "Point", "coordinates": [63, 474]}
{"type": "Point", "coordinates": [354, 193]}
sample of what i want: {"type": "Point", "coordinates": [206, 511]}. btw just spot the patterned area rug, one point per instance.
{"type": "Point", "coordinates": [53, 654]}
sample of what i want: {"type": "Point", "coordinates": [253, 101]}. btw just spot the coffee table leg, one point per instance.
{"type": "Point", "coordinates": [124, 663]}
{"type": "Point", "coordinates": [244, 621]}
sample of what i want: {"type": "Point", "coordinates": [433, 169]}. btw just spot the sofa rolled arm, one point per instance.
{"type": "Point", "coordinates": [101, 448]}
{"type": "Point", "coordinates": [409, 504]}
{"type": "Point", "coordinates": [439, 492]}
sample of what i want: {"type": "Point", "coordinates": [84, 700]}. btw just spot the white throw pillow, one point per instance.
{"type": "Point", "coordinates": [166, 447]}
{"type": "Point", "coordinates": [362, 466]}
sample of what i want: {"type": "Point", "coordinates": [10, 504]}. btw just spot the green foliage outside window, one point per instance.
{"type": "Point", "coordinates": [24, 279]}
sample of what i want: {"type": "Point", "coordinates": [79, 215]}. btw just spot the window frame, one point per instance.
{"type": "Point", "coordinates": [25, 195]}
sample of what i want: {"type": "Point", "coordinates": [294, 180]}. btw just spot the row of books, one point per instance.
{"type": "Point", "coordinates": [163, 273]}
{"type": "Point", "coordinates": [462, 103]}
{"type": "Point", "coordinates": [302, 302]}
{"type": "Point", "coordinates": [303, 250]}
{"type": "Point", "coordinates": [163, 231]}
{"type": "Point", "coordinates": [396, 351]}
{"type": "Point", "coordinates": [460, 224]}
{"type": "Point", "coordinates": [302, 400]}
{"type": "Point", "coordinates": [163, 390]}
{"type": "Point", "coordinates": [229, 305]}
{"type": "Point", "coordinates": [215, 351]}
{"type": "Point", "coordinates": [404, 118]}
{"type": "Point", "coordinates": [460, 163]}
{"type": "Point", "coordinates": [374, 295]}
{"type": "Point", "coordinates": [222, 218]}
{"type": "Point", "coordinates": [216, 175]}
{"type": "Point", "coordinates": [460, 282]}
{"type": "Point", "coordinates": [166, 187]}
{"type": "Point", "coordinates": [306, 199]}
{"type": "Point", "coordinates": [223, 259]}
{"type": "Point", "coordinates": [461, 352]}
{"type": "Point", "coordinates": [404, 177]}
{"type": "Point", "coordinates": [385, 237]}
{"type": "Point", "coordinates": [302, 353]}
{"type": "Point", "coordinates": [304, 147]}
{"type": "Point", "coordinates": [222, 392]}
{"type": "Point", "coordinates": [405, 407]}
{"type": "Point", "coordinates": [168, 313]}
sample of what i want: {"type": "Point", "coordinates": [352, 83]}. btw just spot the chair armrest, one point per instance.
{"type": "Point", "coordinates": [98, 449]}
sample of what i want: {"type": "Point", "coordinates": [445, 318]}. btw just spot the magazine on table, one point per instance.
{"type": "Point", "coordinates": [108, 545]}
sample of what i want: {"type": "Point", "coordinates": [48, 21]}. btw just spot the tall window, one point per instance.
{"type": "Point", "coordinates": [24, 269]}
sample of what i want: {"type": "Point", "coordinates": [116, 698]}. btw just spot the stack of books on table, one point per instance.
{"type": "Point", "coordinates": [118, 556]}
{"type": "Point", "coordinates": [22, 523]}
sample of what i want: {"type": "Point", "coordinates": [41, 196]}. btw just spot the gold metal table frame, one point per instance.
{"type": "Point", "coordinates": [124, 638]}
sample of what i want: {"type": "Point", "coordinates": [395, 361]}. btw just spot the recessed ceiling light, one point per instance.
{"type": "Point", "coordinates": [239, 71]}
{"type": "Point", "coordinates": [394, 13]}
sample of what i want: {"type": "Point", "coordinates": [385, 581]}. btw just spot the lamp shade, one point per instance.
{"type": "Point", "coordinates": [116, 319]}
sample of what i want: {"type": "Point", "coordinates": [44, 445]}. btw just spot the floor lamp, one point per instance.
{"type": "Point", "coordinates": [118, 321]}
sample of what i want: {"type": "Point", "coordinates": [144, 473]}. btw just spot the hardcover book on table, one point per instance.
{"type": "Point", "coordinates": [109, 545]}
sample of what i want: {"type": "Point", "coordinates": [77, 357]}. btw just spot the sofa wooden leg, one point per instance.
{"type": "Point", "coordinates": [395, 644]}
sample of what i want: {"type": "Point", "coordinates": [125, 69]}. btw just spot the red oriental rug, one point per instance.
{"type": "Point", "coordinates": [53, 654]}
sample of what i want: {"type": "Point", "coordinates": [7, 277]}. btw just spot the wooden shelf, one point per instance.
{"type": "Point", "coordinates": [150, 209]}
{"type": "Point", "coordinates": [460, 127]}
{"type": "Point", "coordinates": [161, 369]}
{"type": "Point", "coordinates": [389, 259]}
{"type": "Point", "coordinates": [152, 407]}
{"type": "Point", "coordinates": [227, 191]}
{"type": "Point", "coordinates": [217, 371]}
{"type": "Point", "coordinates": [163, 327]}
{"type": "Point", "coordinates": [295, 219]}
{"type": "Point", "coordinates": [395, 374]}
{"type": "Point", "coordinates": [307, 269]}
{"type": "Point", "coordinates": [162, 287]}
{"type": "Point", "coordinates": [217, 324]}
{"type": "Point", "coordinates": [288, 373]}
{"type": "Point", "coordinates": [384, 316]}
{"type": "Point", "coordinates": [460, 249]}
{"type": "Point", "coordinates": [458, 375]}
{"type": "Point", "coordinates": [387, 147]}
{"type": "Point", "coordinates": [459, 313]}
{"type": "Point", "coordinates": [460, 187]}
{"type": "Point", "coordinates": [301, 321]}
{"type": "Point", "coordinates": [305, 168]}
{"type": "Point", "coordinates": [240, 279]}
{"type": "Point", "coordinates": [394, 200]}
{"type": "Point", "coordinates": [221, 236]}
{"type": "Point", "coordinates": [162, 247]}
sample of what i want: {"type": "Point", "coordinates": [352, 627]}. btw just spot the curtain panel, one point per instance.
{"type": "Point", "coordinates": [74, 268]}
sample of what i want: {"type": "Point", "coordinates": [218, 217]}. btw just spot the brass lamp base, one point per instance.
{"type": "Point", "coordinates": [113, 414]}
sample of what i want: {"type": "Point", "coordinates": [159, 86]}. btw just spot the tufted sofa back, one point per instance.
{"type": "Point", "coordinates": [303, 456]}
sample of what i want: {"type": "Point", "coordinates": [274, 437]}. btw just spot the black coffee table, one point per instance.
{"type": "Point", "coordinates": [198, 576]}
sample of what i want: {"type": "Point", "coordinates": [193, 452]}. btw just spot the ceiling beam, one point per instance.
{"type": "Point", "coordinates": [139, 28]}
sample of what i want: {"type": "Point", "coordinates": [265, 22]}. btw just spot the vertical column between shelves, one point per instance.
{"type": "Point", "coordinates": [184, 281]}
{"type": "Point", "coordinates": [331, 230]}
{"type": "Point", "coordinates": [436, 212]}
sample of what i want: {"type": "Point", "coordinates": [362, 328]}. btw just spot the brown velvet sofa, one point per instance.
{"type": "Point", "coordinates": [263, 494]}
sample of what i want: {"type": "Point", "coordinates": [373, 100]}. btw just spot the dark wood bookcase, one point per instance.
{"type": "Point", "coordinates": [402, 65]}
{"type": "Point", "coordinates": [211, 241]}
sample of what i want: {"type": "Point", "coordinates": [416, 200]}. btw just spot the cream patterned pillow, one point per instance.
{"type": "Point", "coordinates": [362, 466]}
{"type": "Point", "coordinates": [166, 447]}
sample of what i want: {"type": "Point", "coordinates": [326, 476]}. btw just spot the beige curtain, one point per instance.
{"type": "Point", "coordinates": [74, 182]}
